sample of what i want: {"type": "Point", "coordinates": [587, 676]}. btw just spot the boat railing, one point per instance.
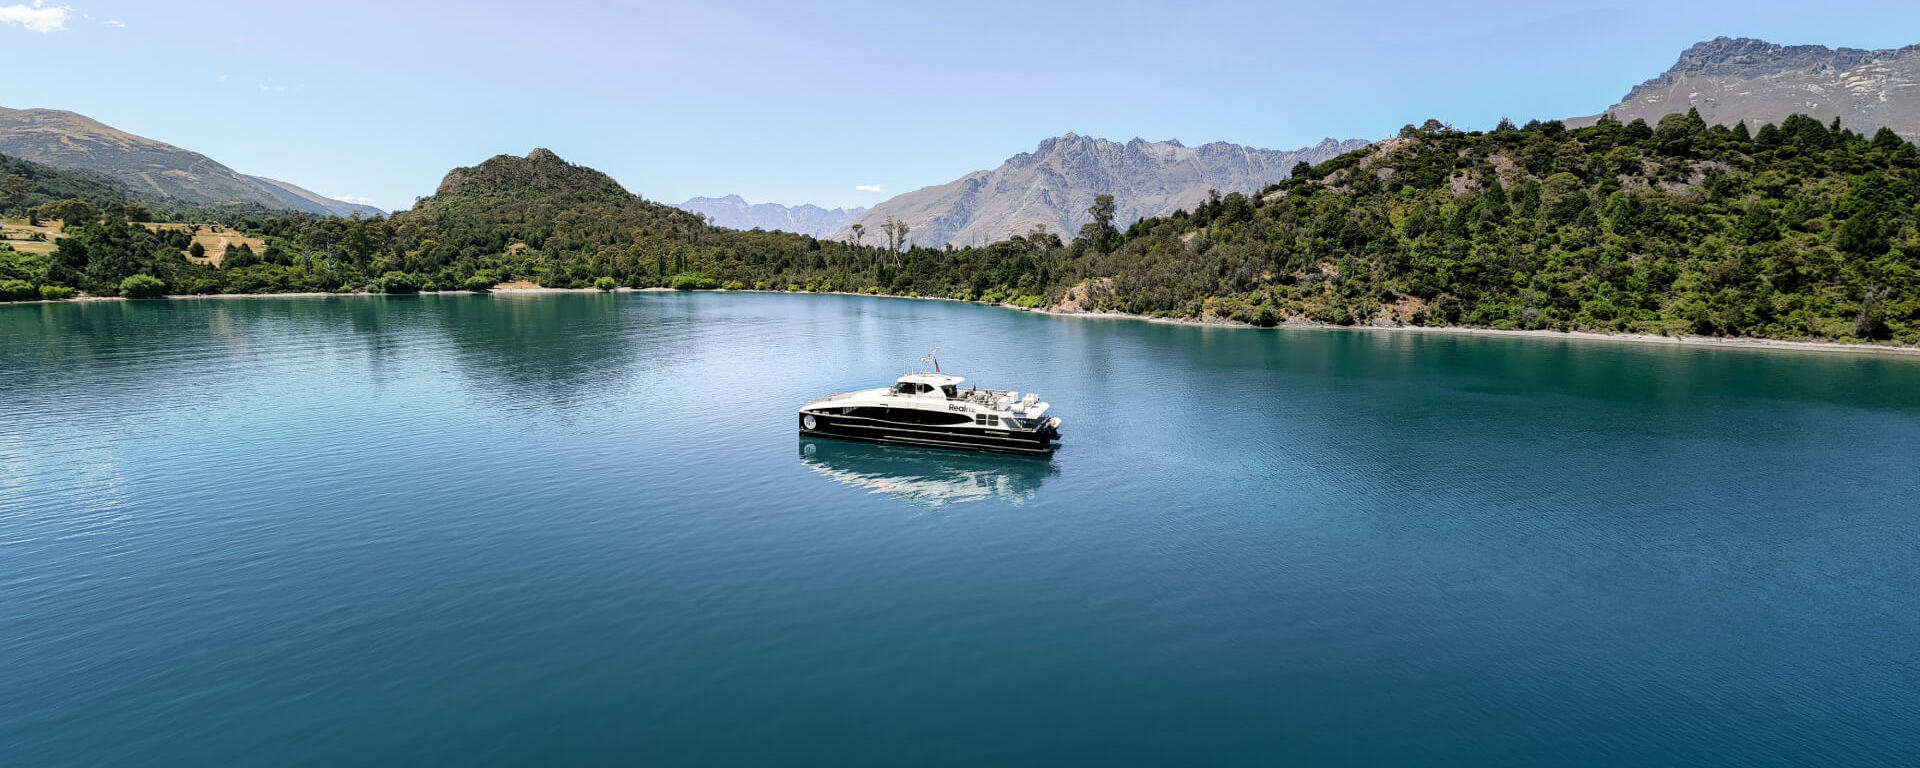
{"type": "Point", "coordinates": [834, 396]}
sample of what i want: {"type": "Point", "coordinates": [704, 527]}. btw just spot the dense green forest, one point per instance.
{"type": "Point", "coordinates": [25, 184]}
{"type": "Point", "coordinates": [1796, 231]}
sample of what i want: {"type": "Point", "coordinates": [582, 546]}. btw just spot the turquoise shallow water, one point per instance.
{"type": "Point", "coordinates": [550, 529]}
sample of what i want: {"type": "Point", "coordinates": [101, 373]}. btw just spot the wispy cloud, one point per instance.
{"type": "Point", "coordinates": [115, 23]}
{"type": "Point", "coordinates": [868, 188]}
{"type": "Point", "coordinates": [38, 17]}
{"type": "Point", "coordinates": [354, 199]}
{"type": "Point", "coordinates": [223, 78]}
{"type": "Point", "coordinates": [264, 88]}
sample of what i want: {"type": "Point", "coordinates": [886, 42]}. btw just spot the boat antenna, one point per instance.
{"type": "Point", "coordinates": [933, 358]}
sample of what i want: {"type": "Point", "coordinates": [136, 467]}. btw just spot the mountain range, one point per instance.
{"type": "Point", "coordinates": [150, 170]}
{"type": "Point", "coordinates": [1726, 79]}
{"type": "Point", "coordinates": [1731, 80]}
{"type": "Point", "coordinates": [1054, 185]}
{"type": "Point", "coordinates": [734, 212]}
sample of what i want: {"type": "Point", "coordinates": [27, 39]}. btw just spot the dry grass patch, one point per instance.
{"type": "Point", "coordinates": [215, 239]}
{"type": "Point", "coordinates": [19, 234]}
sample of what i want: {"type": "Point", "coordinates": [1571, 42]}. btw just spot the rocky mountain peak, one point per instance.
{"type": "Point", "coordinates": [1054, 185]}
{"type": "Point", "coordinates": [1739, 79]}
{"type": "Point", "coordinates": [734, 212]}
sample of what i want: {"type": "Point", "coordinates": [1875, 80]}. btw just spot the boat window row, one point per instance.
{"type": "Point", "coordinates": [914, 388]}
{"type": "Point", "coordinates": [907, 415]}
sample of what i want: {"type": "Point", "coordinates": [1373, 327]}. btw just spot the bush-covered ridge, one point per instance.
{"type": "Point", "coordinates": [1796, 231]}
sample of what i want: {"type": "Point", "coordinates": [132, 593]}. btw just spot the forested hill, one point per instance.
{"type": "Point", "coordinates": [25, 184]}
{"type": "Point", "coordinates": [540, 175]}
{"type": "Point", "coordinates": [1796, 231]}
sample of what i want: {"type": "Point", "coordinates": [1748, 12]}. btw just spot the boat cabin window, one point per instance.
{"type": "Point", "coordinates": [951, 391]}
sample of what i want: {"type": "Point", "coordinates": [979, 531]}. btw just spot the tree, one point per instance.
{"type": "Point", "coordinates": [1886, 139]}
{"type": "Point", "coordinates": [401, 282]}
{"type": "Point", "coordinates": [896, 236]}
{"type": "Point", "coordinates": [17, 290]}
{"type": "Point", "coordinates": [859, 231]}
{"type": "Point", "coordinates": [70, 212]}
{"type": "Point", "coordinates": [197, 250]}
{"type": "Point", "coordinates": [1099, 232]}
{"type": "Point", "coordinates": [14, 189]}
{"type": "Point", "coordinates": [142, 286]}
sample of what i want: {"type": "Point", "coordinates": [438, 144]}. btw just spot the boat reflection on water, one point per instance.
{"type": "Point", "coordinates": [928, 477]}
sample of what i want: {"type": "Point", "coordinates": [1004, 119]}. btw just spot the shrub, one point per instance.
{"type": "Point", "coordinates": [477, 284]}
{"type": "Point", "coordinates": [1030, 301]}
{"type": "Point", "coordinates": [55, 292]}
{"type": "Point", "coordinates": [606, 284]}
{"type": "Point", "coordinates": [793, 286]}
{"type": "Point", "coordinates": [760, 285]}
{"type": "Point", "coordinates": [400, 282]}
{"type": "Point", "coordinates": [17, 290]}
{"type": "Point", "coordinates": [733, 285]}
{"type": "Point", "coordinates": [692, 283]}
{"type": "Point", "coordinates": [991, 297]}
{"type": "Point", "coordinates": [826, 287]}
{"type": "Point", "coordinates": [142, 287]}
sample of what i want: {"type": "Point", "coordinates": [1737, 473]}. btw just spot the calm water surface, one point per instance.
{"type": "Point", "coordinates": [581, 528]}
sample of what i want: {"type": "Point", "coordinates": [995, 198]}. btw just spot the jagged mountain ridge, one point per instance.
{"type": "Point", "coordinates": [1054, 185]}
{"type": "Point", "coordinates": [1730, 80]}
{"type": "Point", "coordinates": [734, 212]}
{"type": "Point", "coordinates": [149, 169]}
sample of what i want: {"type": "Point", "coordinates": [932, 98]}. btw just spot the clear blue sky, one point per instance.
{"type": "Point", "coordinates": [805, 102]}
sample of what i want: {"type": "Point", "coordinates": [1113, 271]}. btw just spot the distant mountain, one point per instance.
{"type": "Point", "coordinates": [733, 212]}
{"type": "Point", "coordinates": [310, 202]}
{"type": "Point", "coordinates": [1734, 79]}
{"type": "Point", "coordinates": [1054, 185]}
{"type": "Point", "coordinates": [150, 170]}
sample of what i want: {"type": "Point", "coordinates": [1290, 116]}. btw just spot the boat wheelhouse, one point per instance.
{"type": "Point", "coordinates": [935, 409]}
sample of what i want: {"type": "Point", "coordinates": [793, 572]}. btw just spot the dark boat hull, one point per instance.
{"type": "Point", "coordinates": [933, 436]}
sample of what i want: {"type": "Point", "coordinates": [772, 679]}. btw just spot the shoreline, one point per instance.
{"type": "Point", "coordinates": [1720, 342]}
{"type": "Point", "coordinates": [1707, 342]}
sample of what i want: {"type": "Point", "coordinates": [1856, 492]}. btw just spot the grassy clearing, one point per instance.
{"type": "Point", "coordinates": [215, 239]}
{"type": "Point", "coordinates": [20, 235]}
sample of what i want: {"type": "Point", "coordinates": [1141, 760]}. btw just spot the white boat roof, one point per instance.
{"type": "Point", "coordinates": [936, 379]}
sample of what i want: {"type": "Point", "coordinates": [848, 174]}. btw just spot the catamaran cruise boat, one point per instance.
{"type": "Point", "coordinates": [931, 408]}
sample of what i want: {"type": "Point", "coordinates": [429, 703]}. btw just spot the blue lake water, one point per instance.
{"type": "Point", "coordinates": [580, 528]}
